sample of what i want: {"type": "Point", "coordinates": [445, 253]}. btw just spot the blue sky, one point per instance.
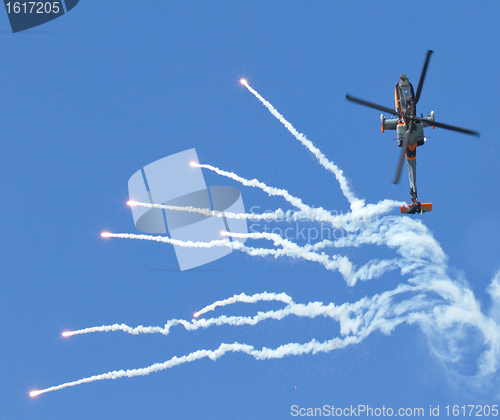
{"type": "Point", "coordinates": [93, 96]}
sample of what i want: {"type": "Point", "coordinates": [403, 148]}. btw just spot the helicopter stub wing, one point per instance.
{"type": "Point", "coordinates": [412, 209]}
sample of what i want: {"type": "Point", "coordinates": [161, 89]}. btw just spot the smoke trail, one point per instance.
{"type": "Point", "coordinates": [455, 308]}
{"type": "Point", "coordinates": [317, 214]}
{"type": "Point", "coordinates": [362, 214]}
{"type": "Point", "coordinates": [202, 323]}
{"type": "Point", "coordinates": [256, 252]}
{"type": "Point", "coordinates": [276, 215]}
{"type": "Point", "coordinates": [422, 256]}
{"type": "Point", "coordinates": [347, 315]}
{"type": "Point", "coordinates": [373, 269]}
{"type": "Point", "coordinates": [167, 240]}
{"type": "Point", "coordinates": [310, 310]}
{"type": "Point", "coordinates": [442, 308]}
{"type": "Point", "coordinates": [353, 200]}
{"type": "Point", "coordinates": [289, 349]}
{"type": "Point", "coordinates": [289, 249]}
{"type": "Point", "coordinates": [297, 202]}
{"type": "Point", "coordinates": [242, 297]}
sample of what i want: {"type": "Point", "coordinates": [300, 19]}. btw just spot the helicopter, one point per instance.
{"type": "Point", "coordinates": [410, 130]}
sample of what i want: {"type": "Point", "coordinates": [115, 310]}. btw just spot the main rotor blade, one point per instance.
{"type": "Point", "coordinates": [402, 157]}
{"type": "Point", "coordinates": [371, 105]}
{"type": "Point", "coordinates": [422, 75]}
{"type": "Point", "coordinates": [450, 127]}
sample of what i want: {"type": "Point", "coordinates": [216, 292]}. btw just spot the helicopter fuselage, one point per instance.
{"type": "Point", "coordinates": [405, 125]}
{"type": "Point", "coordinates": [409, 127]}
{"type": "Point", "coordinates": [405, 106]}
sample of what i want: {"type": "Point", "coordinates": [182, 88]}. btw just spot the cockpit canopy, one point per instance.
{"type": "Point", "coordinates": [405, 95]}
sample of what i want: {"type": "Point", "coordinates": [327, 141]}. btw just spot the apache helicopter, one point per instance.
{"type": "Point", "coordinates": [410, 130]}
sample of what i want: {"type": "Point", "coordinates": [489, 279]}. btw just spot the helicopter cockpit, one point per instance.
{"type": "Point", "coordinates": [405, 96]}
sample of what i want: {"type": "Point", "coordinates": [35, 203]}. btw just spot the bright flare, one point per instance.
{"type": "Point", "coordinates": [196, 314]}
{"type": "Point", "coordinates": [106, 235]}
{"type": "Point", "coordinates": [35, 393]}
{"type": "Point", "coordinates": [193, 164]}
{"type": "Point", "coordinates": [131, 203]}
{"type": "Point", "coordinates": [67, 334]}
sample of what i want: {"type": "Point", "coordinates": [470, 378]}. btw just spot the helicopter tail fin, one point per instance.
{"type": "Point", "coordinates": [412, 208]}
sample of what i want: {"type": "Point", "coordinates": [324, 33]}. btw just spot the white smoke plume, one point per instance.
{"type": "Point", "coordinates": [258, 297]}
{"type": "Point", "coordinates": [294, 201]}
{"type": "Point", "coordinates": [288, 349]}
{"type": "Point", "coordinates": [438, 305]}
{"type": "Point", "coordinates": [289, 249]}
{"type": "Point", "coordinates": [353, 200]}
{"type": "Point", "coordinates": [364, 213]}
{"type": "Point", "coordinates": [319, 214]}
{"type": "Point", "coordinates": [276, 215]}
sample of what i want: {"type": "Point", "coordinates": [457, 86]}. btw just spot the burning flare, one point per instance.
{"type": "Point", "coordinates": [35, 393]}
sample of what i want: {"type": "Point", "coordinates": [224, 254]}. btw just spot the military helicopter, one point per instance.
{"type": "Point", "coordinates": [410, 130]}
